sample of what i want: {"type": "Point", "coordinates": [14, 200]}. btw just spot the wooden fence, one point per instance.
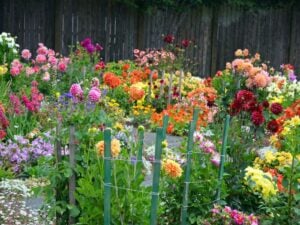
{"type": "Point", "coordinates": [217, 32]}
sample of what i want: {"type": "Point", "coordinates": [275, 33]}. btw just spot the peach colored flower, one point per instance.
{"type": "Point", "coordinates": [246, 52]}
{"type": "Point", "coordinates": [260, 80]}
{"type": "Point", "coordinates": [172, 168]}
{"type": "Point", "coordinates": [238, 53]}
{"type": "Point", "coordinates": [115, 148]}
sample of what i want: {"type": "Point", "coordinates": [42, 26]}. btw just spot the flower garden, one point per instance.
{"type": "Point", "coordinates": [73, 129]}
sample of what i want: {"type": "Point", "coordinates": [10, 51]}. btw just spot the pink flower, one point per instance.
{"type": "Point", "coordinates": [95, 82]}
{"type": "Point", "coordinates": [52, 60]}
{"type": "Point", "coordinates": [76, 90]}
{"type": "Point", "coordinates": [41, 59]}
{"type": "Point", "coordinates": [15, 71]}
{"type": "Point", "coordinates": [215, 159]}
{"type": "Point", "coordinates": [15, 101]}
{"type": "Point", "coordinates": [94, 94]}
{"type": "Point", "coordinates": [46, 76]}
{"type": "Point", "coordinates": [26, 54]}
{"type": "Point", "coordinates": [42, 50]}
{"type": "Point", "coordinates": [29, 71]}
{"type": "Point", "coordinates": [62, 67]}
{"type": "Point", "coordinates": [51, 53]}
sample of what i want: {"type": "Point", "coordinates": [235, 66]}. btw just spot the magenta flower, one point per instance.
{"type": "Point", "coordinates": [76, 90]}
{"type": "Point", "coordinates": [94, 94]}
{"type": "Point", "coordinates": [169, 38]}
{"type": "Point", "coordinates": [41, 59]}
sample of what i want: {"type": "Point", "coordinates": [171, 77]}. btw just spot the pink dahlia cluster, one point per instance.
{"type": "Point", "coordinates": [90, 47]}
{"type": "Point", "coordinates": [33, 104]}
{"type": "Point", "coordinates": [227, 215]}
{"type": "Point", "coordinates": [45, 62]}
{"type": "Point", "coordinates": [208, 147]}
{"type": "Point", "coordinates": [93, 95]}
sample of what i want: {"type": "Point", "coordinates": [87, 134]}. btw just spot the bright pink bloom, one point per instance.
{"type": "Point", "coordinates": [76, 90]}
{"type": "Point", "coordinates": [51, 52]}
{"type": "Point", "coordinates": [15, 101]}
{"type": "Point", "coordinates": [215, 159]}
{"type": "Point", "coordinates": [94, 95]}
{"type": "Point", "coordinates": [41, 59]}
{"type": "Point", "coordinates": [42, 50]}
{"type": "Point", "coordinates": [52, 60]}
{"type": "Point", "coordinates": [29, 71]}
{"type": "Point", "coordinates": [62, 67]}
{"type": "Point", "coordinates": [26, 54]}
{"type": "Point", "coordinates": [15, 71]}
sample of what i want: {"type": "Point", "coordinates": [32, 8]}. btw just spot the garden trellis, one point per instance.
{"type": "Point", "coordinates": [160, 137]}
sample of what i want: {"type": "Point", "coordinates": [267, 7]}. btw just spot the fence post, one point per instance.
{"type": "Point", "coordinates": [170, 89]}
{"type": "Point", "coordinates": [58, 160]}
{"type": "Point", "coordinates": [72, 178]}
{"type": "Point", "coordinates": [187, 178]}
{"type": "Point", "coordinates": [140, 144]}
{"type": "Point", "coordinates": [156, 175]}
{"type": "Point", "coordinates": [222, 159]}
{"type": "Point", "coordinates": [107, 175]}
{"type": "Point", "coordinates": [165, 125]}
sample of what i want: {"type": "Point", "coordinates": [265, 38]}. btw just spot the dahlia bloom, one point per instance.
{"type": "Point", "coordinates": [172, 168]}
{"type": "Point", "coordinates": [115, 148]}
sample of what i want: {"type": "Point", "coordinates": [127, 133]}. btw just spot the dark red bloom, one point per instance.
{"type": "Point", "coordinates": [265, 104]}
{"type": "Point", "coordinates": [235, 107]}
{"type": "Point", "coordinates": [276, 108]}
{"type": "Point", "coordinates": [244, 96]}
{"type": "Point", "coordinates": [257, 118]}
{"type": "Point", "coordinates": [251, 106]}
{"type": "Point", "coordinates": [2, 134]}
{"type": "Point", "coordinates": [169, 38]}
{"type": "Point", "coordinates": [273, 126]}
{"type": "Point", "coordinates": [185, 43]}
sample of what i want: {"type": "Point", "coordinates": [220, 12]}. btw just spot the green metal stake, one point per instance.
{"type": "Point", "coordinates": [107, 175]}
{"type": "Point", "coordinates": [156, 175]}
{"type": "Point", "coordinates": [192, 127]}
{"type": "Point", "coordinates": [165, 125]}
{"type": "Point", "coordinates": [223, 152]}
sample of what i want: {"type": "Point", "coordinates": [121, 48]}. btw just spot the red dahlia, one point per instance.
{"type": "Point", "coordinates": [245, 96]}
{"type": "Point", "coordinates": [257, 118]}
{"type": "Point", "coordinates": [169, 38]}
{"type": "Point", "coordinates": [273, 126]}
{"type": "Point", "coordinates": [276, 108]}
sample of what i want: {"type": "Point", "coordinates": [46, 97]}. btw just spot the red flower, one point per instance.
{"type": "Point", "coordinates": [2, 134]}
{"type": "Point", "coordinates": [245, 96]}
{"type": "Point", "coordinates": [273, 126]}
{"type": "Point", "coordinates": [265, 104]}
{"type": "Point", "coordinates": [235, 107]}
{"type": "Point", "coordinates": [257, 118]}
{"type": "Point", "coordinates": [276, 108]}
{"type": "Point", "coordinates": [169, 38]}
{"type": "Point", "coordinates": [185, 43]}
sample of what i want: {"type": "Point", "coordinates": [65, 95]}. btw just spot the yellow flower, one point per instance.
{"type": "Point", "coordinates": [57, 94]}
{"type": "Point", "coordinates": [164, 144]}
{"type": "Point", "coordinates": [115, 148]}
{"type": "Point", "coordinates": [286, 131]}
{"type": "Point", "coordinates": [3, 69]}
{"type": "Point", "coordinates": [295, 121]}
{"type": "Point", "coordinates": [172, 168]}
{"type": "Point", "coordinates": [278, 99]}
{"type": "Point", "coordinates": [263, 182]}
{"type": "Point", "coordinates": [92, 130]}
{"type": "Point", "coordinates": [118, 126]}
{"type": "Point", "coordinates": [269, 157]}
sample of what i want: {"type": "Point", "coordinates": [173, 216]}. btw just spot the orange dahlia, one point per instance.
{"type": "Point", "coordinates": [111, 80]}
{"type": "Point", "coordinates": [115, 148]}
{"type": "Point", "coordinates": [172, 168]}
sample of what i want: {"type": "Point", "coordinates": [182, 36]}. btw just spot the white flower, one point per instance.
{"type": "Point", "coordinates": [10, 45]}
{"type": "Point", "coordinates": [4, 34]}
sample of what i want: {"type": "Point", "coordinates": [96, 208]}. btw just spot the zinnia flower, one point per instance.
{"type": "Point", "coordinates": [115, 148]}
{"type": "Point", "coordinates": [172, 168]}
{"type": "Point", "coordinates": [276, 108]}
{"type": "Point", "coordinates": [94, 94]}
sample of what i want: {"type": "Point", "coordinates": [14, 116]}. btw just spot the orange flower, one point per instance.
{"type": "Point", "coordinates": [136, 93]}
{"type": "Point", "coordinates": [115, 148]}
{"type": "Point", "coordinates": [170, 128]}
{"type": "Point", "coordinates": [172, 168]}
{"type": "Point", "coordinates": [126, 67]}
{"type": "Point", "coordinates": [111, 80]}
{"type": "Point", "coordinates": [260, 80]}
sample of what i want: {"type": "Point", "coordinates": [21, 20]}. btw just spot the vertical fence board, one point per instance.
{"type": "Point", "coordinates": [217, 32]}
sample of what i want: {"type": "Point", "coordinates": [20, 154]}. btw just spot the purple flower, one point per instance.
{"type": "Point", "coordinates": [292, 76]}
{"type": "Point", "coordinates": [86, 42]}
{"type": "Point", "coordinates": [90, 48]}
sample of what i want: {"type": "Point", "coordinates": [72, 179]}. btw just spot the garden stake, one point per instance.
{"type": "Point", "coordinates": [140, 145]}
{"type": "Point", "coordinates": [72, 178]}
{"type": "Point", "coordinates": [165, 125]}
{"type": "Point", "coordinates": [107, 175]}
{"type": "Point", "coordinates": [58, 160]}
{"type": "Point", "coordinates": [156, 174]}
{"type": "Point", "coordinates": [187, 178]}
{"type": "Point", "coordinates": [222, 159]}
